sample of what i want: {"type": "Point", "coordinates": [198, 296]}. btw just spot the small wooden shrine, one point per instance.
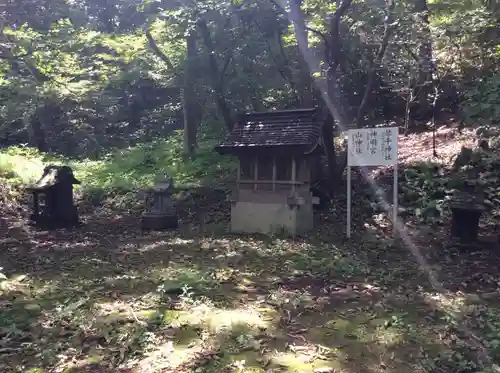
{"type": "Point", "coordinates": [53, 198]}
{"type": "Point", "coordinates": [276, 151]}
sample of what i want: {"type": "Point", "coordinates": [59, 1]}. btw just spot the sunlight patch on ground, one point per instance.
{"type": "Point", "coordinates": [15, 283]}
{"type": "Point", "coordinates": [37, 289]}
{"type": "Point", "coordinates": [160, 244]}
{"type": "Point", "coordinates": [216, 320]}
{"type": "Point", "coordinates": [203, 327]}
{"type": "Point", "coordinates": [294, 362]}
{"type": "Point", "coordinates": [223, 319]}
{"type": "Point", "coordinates": [169, 356]}
{"type": "Point", "coordinates": [446, 302]}
{"type": "Point", "coordinates": [388, 337]}
{"type": "Point", "coordinates": [249, 244]}
{"type": "Point", "coordinates": [181, 241]}
{"type": "Point", "coordinates": [109, 312]}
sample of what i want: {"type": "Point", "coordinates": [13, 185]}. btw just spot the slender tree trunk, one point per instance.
{"type": "Point", "coordinates": [333, 56]}
{"type": "Point", "coordinates": [189, 102]}
{"type": "Point", "coordinates": [283, 66]}
{"type": "Point", "coordinates": [299, 26]}
{"type": "Point", "coordinates": [376, 63]}
{"type": "Point", "coordinates": [36, 133]}
{"type": "Point", "coordinates": [215, 75]}
{"type": "Point", "coordinates": [425, 62]}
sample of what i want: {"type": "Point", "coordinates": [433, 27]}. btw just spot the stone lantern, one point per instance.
{"type": "Point", "coordinates": [160, 211]}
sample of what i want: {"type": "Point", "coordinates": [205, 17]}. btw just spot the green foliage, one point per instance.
{"type": "Point", "coordinates": [328, 261]}
{"type": "Point", "coordinates": [79, 78]}
{"type": "Point", "coordinates": [425, 191]}
{"type": "Point", "coordinates": [21, 164]}
{"type": "Point", "coordinates": [485, 321]}
{"type": "Point", "coordinates": [428, 188]}
{"type": "Point", "coordinates": [482, 99]}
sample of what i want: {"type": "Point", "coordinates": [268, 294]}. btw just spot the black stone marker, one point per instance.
{"type": "Point", "coordinates": [466, 210]}
{"type": "Point", "coordinates": [53, 198]}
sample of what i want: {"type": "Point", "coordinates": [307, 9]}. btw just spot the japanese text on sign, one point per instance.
{"type": "Point", "coordinates": [372, 146]}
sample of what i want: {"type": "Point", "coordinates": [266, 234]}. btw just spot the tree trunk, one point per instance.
{"type": "Point", "coordinates": [283, 66]}
{"type": "Point", "coordinates": [425, 62]}
{"type": "Point", "coordinates": [299, 26]}
{"type": "Point", "coordinates": [189, 102]}
{"type": "Point", "coordinates": [376, 63]}
{"type": "Point", "coordinates": [215, 75]}
{"type": "Point", "coordinates": [36, 134]}
{"type": "Point", "coordinates": [333, 56]}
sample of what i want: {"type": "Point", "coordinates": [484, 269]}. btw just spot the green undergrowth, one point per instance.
{"type": "Point", "coordinates": [125, 170]}
{"type": "Point", "coordinates": [428, 188]}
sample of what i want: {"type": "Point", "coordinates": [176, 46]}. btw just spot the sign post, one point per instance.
{"type": "Point", "coordinates": [373, 147]}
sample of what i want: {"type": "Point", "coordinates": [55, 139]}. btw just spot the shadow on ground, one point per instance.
{"type": "Point", "coordinates": [107, 296]}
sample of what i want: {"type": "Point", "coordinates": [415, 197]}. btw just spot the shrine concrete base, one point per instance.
{"type": "Point", "coordinates": [152, 221]}
{"type": "Point", "coordinates": [269, 218]}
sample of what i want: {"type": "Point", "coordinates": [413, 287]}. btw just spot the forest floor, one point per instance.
{"type": "Point", "coordinates": [108, 298]}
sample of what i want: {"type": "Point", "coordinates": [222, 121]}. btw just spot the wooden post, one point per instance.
{"type": "Point", "coordinates": [348, 224]}
{"type": "Point", "coordinates": [238, 175]}
{"type": "Point", "coordinates": [256, 172]}
{"type": "Point", "coordinates": [395, 200]}
{"type": "Point", "coordinates": [274, 174]}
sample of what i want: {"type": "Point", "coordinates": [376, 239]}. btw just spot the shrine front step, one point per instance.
{"type": "Point", "coordinates": [152, 221]}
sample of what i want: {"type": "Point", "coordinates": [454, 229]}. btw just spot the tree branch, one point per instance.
{"type": "Point", "coordinates": [284, 70]}
{"type": "Point", "coordinates": [225, 67]}
{"type": "Point", "coordinates": [335, 33]}
{"type": "Point", "coordinates": [282, 9]}
{"type": "Point", "coordinates": [320, 34]}
{"type": "Point", "coordinates": [410, 52]}
{"type": "Point", "coordinates": [154, 47]}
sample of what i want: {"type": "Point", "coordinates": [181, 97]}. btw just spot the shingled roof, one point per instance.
{"type": "Point", "coordinates": [298, 129]}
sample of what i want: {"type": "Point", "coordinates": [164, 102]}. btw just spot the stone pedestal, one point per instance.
{"type": "Point", "coordinates": [152, 221]}
{"type": "Point", "coordinates": [271, 218]}
{"type": "Point", "coordinates": [465, 222]}
{"type": "Point", "coordinates": [466, 210]}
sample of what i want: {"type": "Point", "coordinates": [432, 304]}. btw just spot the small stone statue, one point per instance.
{"type": "Point", "coordinates": [160, 210]}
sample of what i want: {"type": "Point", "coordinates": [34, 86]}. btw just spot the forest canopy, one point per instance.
{"type": "Point", "coordinates": [80, 77]}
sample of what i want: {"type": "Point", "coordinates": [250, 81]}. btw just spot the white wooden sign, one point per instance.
{"type": "Point", "coordinates": [372, 147]}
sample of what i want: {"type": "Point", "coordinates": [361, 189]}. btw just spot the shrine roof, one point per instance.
{"type": "Point", "coordinates": [299, 129]}
{"type": "Point", "coordinates": [52, 175]}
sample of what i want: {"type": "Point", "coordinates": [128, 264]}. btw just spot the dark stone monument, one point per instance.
{"type": "Point", "coordinates": [53, 198]}
{"type": "Point", "coordinates": [160, 210]}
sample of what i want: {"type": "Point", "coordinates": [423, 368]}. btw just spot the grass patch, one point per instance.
{"type": "Point", "coordinates": [125, 170]}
